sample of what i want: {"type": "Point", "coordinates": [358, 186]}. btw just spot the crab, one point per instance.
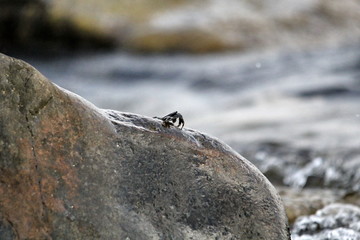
{"type": "Point", "coordinates": [171, 118]}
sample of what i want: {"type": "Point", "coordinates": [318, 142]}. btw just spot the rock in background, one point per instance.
{"type": "Point", "coordinates": [69, 170]}
{"type": "Point", "coordinates": [28, 26]}
{"type": "Point", "coordinates": [166, 26]}
{"type": "Point", "coordinates": [335, 221]}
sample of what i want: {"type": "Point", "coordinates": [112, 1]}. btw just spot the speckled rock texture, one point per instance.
{"type": "Point", "coordinates": [69, 170]}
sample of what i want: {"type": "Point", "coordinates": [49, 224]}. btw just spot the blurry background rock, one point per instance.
{"type": "Point", "coordinates": [29, 25]}
{"type": "Point", "coordinates": [176, 25]}
{"type": "Point", "coordinates": [333, 222]}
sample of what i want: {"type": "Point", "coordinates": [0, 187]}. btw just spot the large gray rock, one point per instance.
{"type": "Point", "coordinates": [69, 170]}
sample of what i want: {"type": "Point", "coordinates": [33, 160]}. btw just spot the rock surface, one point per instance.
{"type": "Point", "coordinates": [69, 170]}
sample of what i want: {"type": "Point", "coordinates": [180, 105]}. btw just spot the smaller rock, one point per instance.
{"type": "Point", "coordinates": [307, 201]}
{"type": "Point", "coordinates": [335, 221]}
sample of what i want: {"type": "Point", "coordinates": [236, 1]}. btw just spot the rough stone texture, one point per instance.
{"type": "Point", "coordinates": [69, 170]}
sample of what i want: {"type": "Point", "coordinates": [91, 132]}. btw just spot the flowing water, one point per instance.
{"type": "Point", "coordinates": [295, 114]}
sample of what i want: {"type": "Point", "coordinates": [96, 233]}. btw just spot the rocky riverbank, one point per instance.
{"type": "Point", "coordinates": [177, 25]}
